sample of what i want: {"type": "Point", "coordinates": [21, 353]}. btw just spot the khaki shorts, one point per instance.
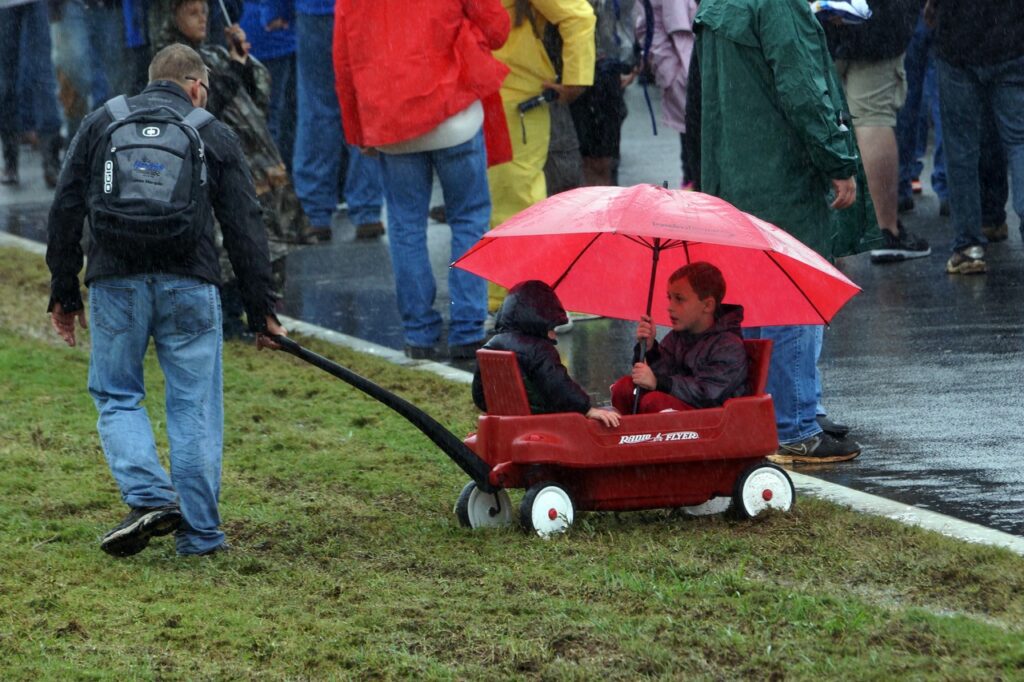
{"type": "Point", "coordinates": [875, 91]}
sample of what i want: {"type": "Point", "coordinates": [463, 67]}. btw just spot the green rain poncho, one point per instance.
{"type": "Point", "coordinates": [773, 133]}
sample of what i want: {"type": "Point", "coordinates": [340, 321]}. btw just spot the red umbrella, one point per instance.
{"type": "Point", "coordinates": [598, 246]}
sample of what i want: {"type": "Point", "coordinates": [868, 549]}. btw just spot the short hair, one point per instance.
{"type": "Point", "coordinates": [705, 279]}
{"type": "Point", "coordinates": [177, 63]}
{"type": "Point", "coordinates": [178, 4]}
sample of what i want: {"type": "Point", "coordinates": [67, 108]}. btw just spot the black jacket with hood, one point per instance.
{"type": "Point", "coordinates": [703, 370]}
{"type": "Point", "coordinates": [528, 313]}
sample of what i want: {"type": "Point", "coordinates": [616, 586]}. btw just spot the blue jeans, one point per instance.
{"type": "Point", "coordinates": [281, 120]}
{"type": "Point", "coordinates": [28, 90]}
{"type": "Point", "coordinates": [793, 379]}
{"type": "Point", "coordinates": [319, 138]}
{"type": "Point", "coordinates": [408, 178]}
{"type": "Point", "coordinates": [73, 59]}
{"type": "Point", "coordinates": [111, 53]}
{"type": "Point", "coordinates": [183, 317]}
{"type": "Point", "coordinates": [966, 91]}
{"type": "Point", "coordinates": [995, 187]}
{"type": "Point", "coordinates": [920, 107]}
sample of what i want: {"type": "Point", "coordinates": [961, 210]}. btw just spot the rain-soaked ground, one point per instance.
{"type": "Point", "coordinates": [926, 367]}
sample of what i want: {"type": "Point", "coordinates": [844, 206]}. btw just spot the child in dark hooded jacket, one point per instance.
{"type": "Point", "coordinates": [526, 325]}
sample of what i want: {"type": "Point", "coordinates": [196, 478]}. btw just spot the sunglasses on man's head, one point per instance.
{"type": "Point", "coordinates": [205, 86]}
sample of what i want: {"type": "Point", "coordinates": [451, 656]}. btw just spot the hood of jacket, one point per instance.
{"type": "Point", "coordinates": [729, 318]}
{"type": "Point", "coordinates": [532, 308]}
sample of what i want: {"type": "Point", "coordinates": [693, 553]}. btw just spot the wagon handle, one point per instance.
{"type": "Point", "coordinates": [460, 453]}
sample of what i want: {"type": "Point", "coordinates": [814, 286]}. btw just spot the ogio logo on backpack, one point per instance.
{"type": "Point", "coordinates": [150, 131]}
{"type": "Point", "coordinates": [108, 177]}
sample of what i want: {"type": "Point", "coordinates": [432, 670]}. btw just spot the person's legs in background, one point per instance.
{"type": "Point", "coordinates": [10, 38]}
{"type": "Point", "coordinates": [519, 183]}
{"type": "Point", "coordinates": [72, 62]}
{"type": "Point", "coordinates": [1007, 83]}
{"type": "Point", "coordinates": [992, 176]}
{"type": "Point", "coordinates": [364, 193]}
{"type": "Point", "coordinates": [282, 105]}
{"type": "Point", "coordinates": [598, 115]}
{"type": "Point", "coordinates": [908, 121]}
{"type": "Point", "coordinates": [961, 96]}
{"type": "Point", "coordinates": [41, 87]}
{"type": "Point", "coordinates": [792, 382]}
{"type": "Point", "coordinates": [318, 138]}
{"type": "Point", "coordinates": [408, 180]}
{"type": "Point", "coordinates": [931, 111]}
{"type": "Point", "coordinates": [107, 36]}
{"type": "Point", "coordinates": [876, 92]}
{"type": "Point", "coordinates": [827, 425]}
{"type": "Point", "coordinates": [462, 170]}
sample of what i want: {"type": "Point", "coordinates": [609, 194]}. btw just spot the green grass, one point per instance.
{"type": "Point", "coordinates": [350, 563]}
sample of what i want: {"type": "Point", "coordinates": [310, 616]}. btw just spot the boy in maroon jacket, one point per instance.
{"type": "Point", "coordinates": [700, 363]}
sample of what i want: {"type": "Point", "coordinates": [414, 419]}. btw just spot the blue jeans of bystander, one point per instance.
{"type": "Point", "coordinates": [793, 379]}
{"type": "Point", "coordinates": [28, 89]}
{"type": "Point", "coordinates": [965, 91]}
{"type": "Point", "coordinates": [408, 179]}
{"type": "Point", "coordinates": [319, 138]}
{"type": "Point", "coordinates": [281, 119]}
{"type": "Point", "coordinates": [183, 317]}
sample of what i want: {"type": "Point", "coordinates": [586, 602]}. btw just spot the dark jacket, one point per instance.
{"type": "Point", "coordinates": [981, 32]}
{"type": "Point", "coordinates": [884, 36]}
{"type": "Point", "coordinates": [231, 193]}
{"type": "Point", "coordinates": [530, 310]}
{"type": "Point", "coordinates": [703, 370]}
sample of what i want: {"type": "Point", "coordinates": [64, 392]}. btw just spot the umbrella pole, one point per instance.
{"type": "Point", "coordinates": [638, 350]}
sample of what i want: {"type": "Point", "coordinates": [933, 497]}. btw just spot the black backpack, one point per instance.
{"type": "Point", "coordinates": [149, 193]}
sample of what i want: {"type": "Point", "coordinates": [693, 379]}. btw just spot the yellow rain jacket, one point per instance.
{"type": "Point", "coordinates": [519, 183]}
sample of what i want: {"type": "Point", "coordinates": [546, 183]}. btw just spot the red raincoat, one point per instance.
{"type": "Point", "coordinates": [401, 68]}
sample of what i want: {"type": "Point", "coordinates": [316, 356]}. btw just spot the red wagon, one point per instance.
{"type": "Point", "coordinates": [568, 463]}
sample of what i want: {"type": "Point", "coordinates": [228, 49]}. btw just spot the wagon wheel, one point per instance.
{"type": "Point", "coordinates": [477, 509]}
{"type": "Point", "coordinates": [763, 486]}
{"type": "Point", "coordinates": [546, 509]}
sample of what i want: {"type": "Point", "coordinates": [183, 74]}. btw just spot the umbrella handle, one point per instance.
{"type": "Point", "coordinates": [638, 354]}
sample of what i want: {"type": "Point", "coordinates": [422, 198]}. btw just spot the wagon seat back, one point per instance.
{"type": "Point", "coordinates": [759, 354]}
{"type": "Point", "coordinates": [504, 391]}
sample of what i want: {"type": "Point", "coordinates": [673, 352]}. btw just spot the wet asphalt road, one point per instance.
{"type": "Point", "coordinates": [926, 367]}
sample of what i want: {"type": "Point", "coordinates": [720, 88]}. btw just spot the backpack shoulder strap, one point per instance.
{"type": "Point", "coordinates": [117, 107]}
{"type": "Point", "coordinates": [198, 117]}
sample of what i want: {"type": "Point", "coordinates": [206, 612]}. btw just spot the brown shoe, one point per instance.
{"type": "Point", "coordinates": [317, 234]}
{"type": "Point", "coordinates": [369, 230]}
{"type": "Point", "coordinates": [995, 233]}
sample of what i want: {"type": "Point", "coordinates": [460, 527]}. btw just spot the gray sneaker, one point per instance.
{"type": "Point", "coordinates": [821, 448]}
{"type": "Point", "coordinates": [968, 261]}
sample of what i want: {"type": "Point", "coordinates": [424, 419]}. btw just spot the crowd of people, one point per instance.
{"type": "Point", "coordinates": [509, 101]}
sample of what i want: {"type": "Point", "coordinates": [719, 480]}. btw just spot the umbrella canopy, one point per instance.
{"type": "Point", "coordinates": [607, 250]}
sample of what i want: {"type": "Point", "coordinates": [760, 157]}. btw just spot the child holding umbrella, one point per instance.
{"type": "Point", "coordinates": [702, 361]}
